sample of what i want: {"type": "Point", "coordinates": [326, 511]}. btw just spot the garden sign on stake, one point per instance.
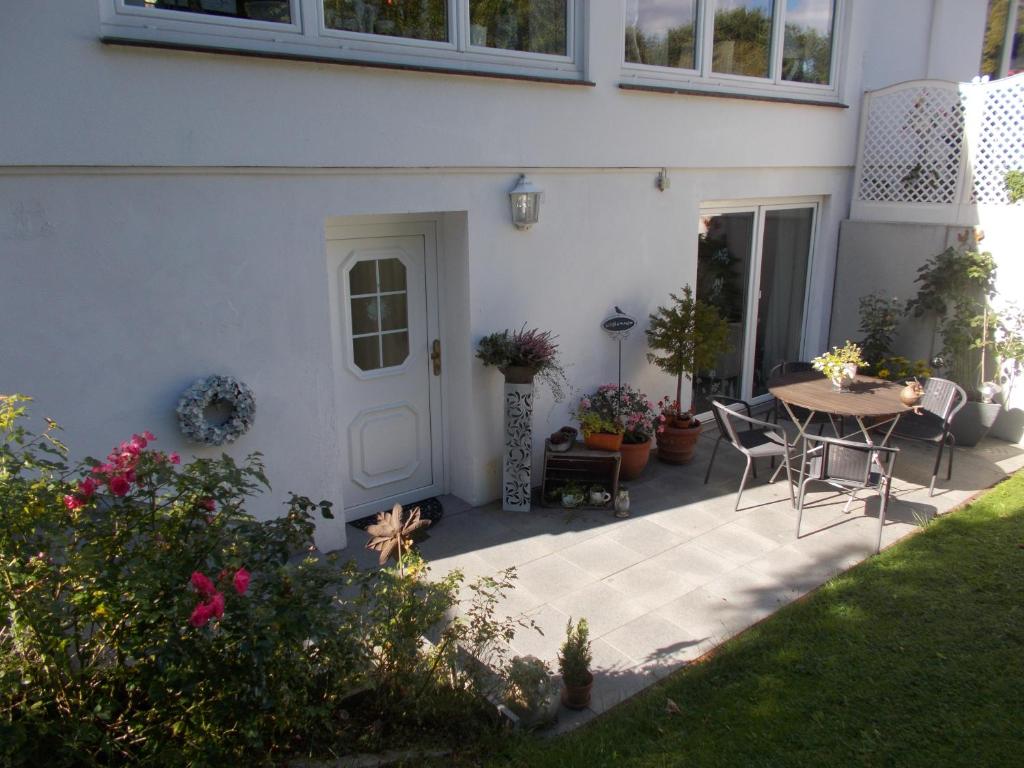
{"type": "Point", "coordinates": [619, 325]}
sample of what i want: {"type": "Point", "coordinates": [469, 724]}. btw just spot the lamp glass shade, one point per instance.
{"type": "Point", "coordinates": [525, 201]}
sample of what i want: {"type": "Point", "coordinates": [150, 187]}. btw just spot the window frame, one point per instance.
{"type": "Point", "coordinates": [309, 37]}
{"type": "Point", "coordinates": [703, 78]}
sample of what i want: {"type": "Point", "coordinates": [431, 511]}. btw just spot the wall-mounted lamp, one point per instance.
{"type": "Point", "coordinates": [525, 200]}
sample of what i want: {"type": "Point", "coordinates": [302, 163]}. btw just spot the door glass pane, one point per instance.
{"type": "Point", "coordinates": [393, 313]}
{"type": "Point", "coordinates": [785, 253]}
{"type": "Point", "coordinates": [416, 19]}
{"type": "Point", "coordinates": [392, 275]}
{"type": "Point", "coordinates": [364, 315]}
{"type": "Point", "coordinates": [363, 278]}
{"type": "Point", "coordinates": [661, 33]}
{"type": "Point", "coordinates": [366, 352]}
{"type": "Point", "coordinates": [533, 26]}
{"type": "Point", "coordinates": [395, 347]}
{"type": "Point", "coordinates": [743, 35]}
{"type": "Point", "coordinates": [261, 10]}
{"type": "Point", "coordinates": [724, 252]}
{"type": "Point", "coordinates": [807, 51]}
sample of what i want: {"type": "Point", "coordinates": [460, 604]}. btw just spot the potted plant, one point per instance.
{"type": "Point", "coordinates": [629, 409]}
{"type": "Point", "coordinates": [686, 337]}
{"type": "Point", "coordinates": [956, 287]}
{"type": "Point", "coordinates": [840, 365]}
{"type": "Point", "coordinates": [574, 659]}
{"type": "Point", "coordinates": [602, 429]}
{"type": "Point", "coordinates": [521, 356]}
{"type": "Point", "coordinates": [530, 692]}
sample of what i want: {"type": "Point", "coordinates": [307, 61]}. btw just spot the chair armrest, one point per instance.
{"type": "Point", "coordinates": [856, 445]}
{"type": "Point", "coordinates": [759, 425]}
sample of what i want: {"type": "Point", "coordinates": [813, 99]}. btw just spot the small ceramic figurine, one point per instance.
{"type": "Point", "coordinates": [622, 503]}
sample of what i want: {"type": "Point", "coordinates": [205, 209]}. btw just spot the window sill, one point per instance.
{"type": "Point", "coordinates": [733, 95]}
{"type": "Point", "coordinates": [344, 61]}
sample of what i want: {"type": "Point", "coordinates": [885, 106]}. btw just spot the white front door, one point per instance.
{"type": "Point", "coordinates": [383, 281]}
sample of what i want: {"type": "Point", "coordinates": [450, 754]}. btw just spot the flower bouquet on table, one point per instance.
{"type": "Point", "coordinates": [840, 365]}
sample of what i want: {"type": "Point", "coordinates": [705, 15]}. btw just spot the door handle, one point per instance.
{"type": "Point", "coordinates": [435, 356]}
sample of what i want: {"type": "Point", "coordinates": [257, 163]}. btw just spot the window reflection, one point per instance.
{"type": "Point", "coordinates": [807, 50]}
{"type": "Point", "coordinates": [532, 26]}
{"type": "Point", "coordinates": [261, 10]}
{"type": "Point", "coordinates": [416, 19]}
{"type": "Point", "coordinates": [742, 37]}
{"type": "Point", "coordinates": [662, 33]}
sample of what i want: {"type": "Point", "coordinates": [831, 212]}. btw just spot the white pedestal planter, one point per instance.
{"type": "Point", "coordinates": [518, 459]}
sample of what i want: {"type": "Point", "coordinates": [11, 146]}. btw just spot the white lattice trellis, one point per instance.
{"type": "Point", "coordinates": [1000, 144]}
{"type": "Point", "coordinates": [913, 142]}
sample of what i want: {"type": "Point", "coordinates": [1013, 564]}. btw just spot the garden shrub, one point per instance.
{"type": "Point", "coordinates": [147, 618]}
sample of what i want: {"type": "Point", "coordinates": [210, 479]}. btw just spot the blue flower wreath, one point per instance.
{"type": "Point", "coordinates": [209, 391]}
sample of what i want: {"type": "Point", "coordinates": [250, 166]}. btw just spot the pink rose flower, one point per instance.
{"type": "Point", "coordinates": [139, 442]}
{"type": "Point", "coordinates": [118, 485]}
{"type": "Point", "coordinates": [148, 435]}
{"type": "Point", "coordinates": [216, 604]}
{"type": "Point", "coordinates": [174, 458]}
{"type": "Point", "coordinates": [241, 581]}
{"type": "Point", "coordinates": [201, 615]}
{"type": "Point", "coordinates": [86, 487]}
{"type": "Point", "coordinates": [208, 504]}
{"type": "Point", "coordinates": [72, 502]}
{"type": "Point", "coordinates": [203, 584]}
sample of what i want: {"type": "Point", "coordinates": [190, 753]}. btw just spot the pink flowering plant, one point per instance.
{"type": "Point", "coordinates": [146, 618]}
{"type": "Point", "coordinates": [616, 410]}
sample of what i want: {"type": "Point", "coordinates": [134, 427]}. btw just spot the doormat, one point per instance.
{"type": "Point", "coordinates": [430, 509]}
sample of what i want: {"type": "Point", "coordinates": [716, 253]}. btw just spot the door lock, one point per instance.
{"type": "Point", "coordinates": [435, 356]}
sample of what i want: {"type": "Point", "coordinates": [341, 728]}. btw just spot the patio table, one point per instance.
{"type": "Point", "coordinates": [872, 402]}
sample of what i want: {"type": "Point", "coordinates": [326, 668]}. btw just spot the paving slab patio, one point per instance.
{"type": "Point", "coordinates": [687, 571]}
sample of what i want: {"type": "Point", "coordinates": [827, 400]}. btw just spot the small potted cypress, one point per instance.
{"type": "Point", "coordinates": [574, 659]}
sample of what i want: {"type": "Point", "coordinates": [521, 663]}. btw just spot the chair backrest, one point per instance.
{"type": "Point", "coordinates": [720, 408]}
{"type": "Point", "coordinates": [846, 460]}
{"type": "Point", "coordinates": [942, 398]}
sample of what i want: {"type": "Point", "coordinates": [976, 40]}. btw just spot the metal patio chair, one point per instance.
{"type": "Point", "coordinates": [850, 466]}
{"type": "Point", "coordinates": [760, 440]}
{"type": "Point", "coordinates": [942, 400]}
{"type": "Point", "coordinates": [779, 410]}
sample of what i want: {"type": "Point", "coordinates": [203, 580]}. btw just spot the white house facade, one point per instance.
{"type": "Point", "coordinates": [311, 196]}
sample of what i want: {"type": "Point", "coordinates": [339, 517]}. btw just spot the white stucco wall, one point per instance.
{"type": "Point", "coordinates": [162, 218]}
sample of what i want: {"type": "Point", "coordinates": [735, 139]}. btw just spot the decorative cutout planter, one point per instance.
{"type": "Point", "coordinates": [518, 460]}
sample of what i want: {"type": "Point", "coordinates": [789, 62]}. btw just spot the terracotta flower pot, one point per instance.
{"type": "Point", "coordinates": [578, 696]}
{"type": "Point", "coordinates": [676, 445]}
{"type": "Point", "coordinates": [602, 441]}
{"type": "Point", "coordinates": [634, 459]}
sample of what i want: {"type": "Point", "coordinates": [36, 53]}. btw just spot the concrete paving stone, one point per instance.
{"type": "Point", "coordinates": [686, 523]}
{"type": "Point", "coordinates": [654, 642]}
{"type": "Point", "coordinates": [694, 563]}
{"type": "Point", "coordinates": [777, 522]}
{"type": "Point", "coordinates": [737, 543]}
{"type": "Point", "coordinates": [601, 556]}
{"type": "Point", "coordinates": [702, 615]}
{"type": "Point", "coordinates": [650, 584]}
{"type": "Point", "coordinates": [748, 596]}
{"type": "Point", "coordinates": [644, 536]}
{"type": "Point", "coordinates": [544, 644]}
{"type": "Point", "coordinates": [603, 606]}
{"type": "Point", "coordinates": [553, 576]}
{"type": "Point", "coordinates": [519, 551]}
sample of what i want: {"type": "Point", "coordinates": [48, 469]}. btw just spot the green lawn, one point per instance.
{"type": "Point", "coordinates": [913, 658]}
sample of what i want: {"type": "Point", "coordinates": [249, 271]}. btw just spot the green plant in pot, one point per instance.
{"type": "Point", "coordinates": [530, 692]}
{"type": "Point", "coordinates": [956, 288]}
{"type": "Point", "coordinates": [574, 659]}
{"type": "Point", "coordinates": [687, 336]}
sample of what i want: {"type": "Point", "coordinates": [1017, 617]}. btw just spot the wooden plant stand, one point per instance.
{"type": "Point", "coordinates": [582, 466]}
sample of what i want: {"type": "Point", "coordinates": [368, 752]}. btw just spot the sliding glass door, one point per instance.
{"type": "Point", "coordinates": [752, 265]}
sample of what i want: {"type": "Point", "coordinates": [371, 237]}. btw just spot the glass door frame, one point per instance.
{"type": "Point", "coordinates": [760, 209]}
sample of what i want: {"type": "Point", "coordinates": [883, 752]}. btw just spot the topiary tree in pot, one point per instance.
{"type": "Point", "coordinates": [956, 287]}
{"type": "Point", "coordinates": [687, 336]}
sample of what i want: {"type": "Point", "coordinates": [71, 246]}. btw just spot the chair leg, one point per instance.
{"type": "Point", "coordinates": [935, 468]}
{"type": "Point", "coordinates": [789, 480]}
{"type": "Point", "coordinates": [712, 462]}
{"type": "Point", "coordinates": [743, 483]}
{"type": "Point", "coordinates": [800, 505]}
{"type": "Point", "coordinates": [881, 513]}
{"type": "Point", "coordinates": [949, 468]}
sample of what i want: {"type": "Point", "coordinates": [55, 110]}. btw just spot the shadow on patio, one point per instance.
{"type": "Point", "coordinates": [686, 571]}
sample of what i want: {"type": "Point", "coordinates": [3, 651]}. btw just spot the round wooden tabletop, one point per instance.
{"type": "Point", "coordinates": [868, 396]}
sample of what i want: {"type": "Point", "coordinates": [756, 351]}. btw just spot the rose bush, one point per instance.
{"type": "Point", "coordinates": [147, 618]}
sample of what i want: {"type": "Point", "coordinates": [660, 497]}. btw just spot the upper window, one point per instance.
{"type": "Point", "coordinates": [735, 44]}
{"type": "Point", "coordinates": [530, 37]}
